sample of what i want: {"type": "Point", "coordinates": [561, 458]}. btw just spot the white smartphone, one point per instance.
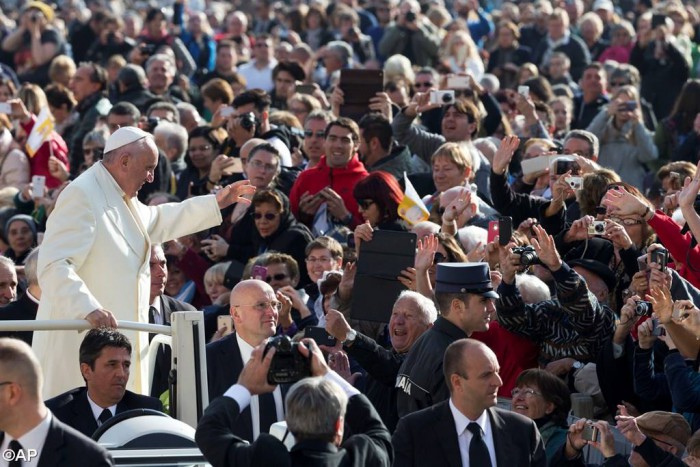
{"type": "Point", "coordinates": [5, 108]}
{"type": "Point", "coordinates": [458, 82]}
{"type": "Point", "coordinates": [535, 165]}
{"type": "Point", "coordinates": [524, 91]}
{"type": "Point", "coordinates": [225, 321]}
{"type": "Point", "coordinates": [38, 186]}
{"type": "Point", "coordinates": [226, 112]}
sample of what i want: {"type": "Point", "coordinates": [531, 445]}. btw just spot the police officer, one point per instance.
{"type": "Point", "coordinates": [466, 300]}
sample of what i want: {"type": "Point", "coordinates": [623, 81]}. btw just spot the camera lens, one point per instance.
{"type": "Point", "coordinates": [285, 345]}
{"type": "Point", "coordinates": [600, 228]}
{"type": "Point", "coordinates": [447, 98]}
{"type": "Point", "coordinates": [643, 309]}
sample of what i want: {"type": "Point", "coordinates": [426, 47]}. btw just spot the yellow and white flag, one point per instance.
{"type": "Point", "coordinates": [412, 209]}
{"type": "Point", "coordinates": [43, 126]}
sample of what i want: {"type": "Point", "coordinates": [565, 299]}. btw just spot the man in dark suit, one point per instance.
{"type": "Point", "coordinates": [24, 308]}
{"type": "Point", "coordinates": [318, 409]}
{"type": "Point", "coordinates": [255, 311]}
{"type": "Point", "coordinates": [105, 358]}
{"type": "Point", "coordinates": [467, 429]}
{"type": "Point", "coordinates": [159, 313]}
{"type": "Point", "coordinates": [26, 424]}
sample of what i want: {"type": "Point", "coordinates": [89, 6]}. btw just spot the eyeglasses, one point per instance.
{"type": "Point", "coordinates": [526, 392]}
{"type": "Point", "coordinates": [322, 260]}
{"type": "Point", "coordinates": [428, 84]}
{"type": "Point", "coordinates": [206, 147]}
{"type": "Point", "coordinates": [263, 306]}
{"type": "Point", "coordinates": [318, 134]}
{"type": "Point", "coordinates": [627, 221]}
{"type": "Point", "coordinates": [364, 204]}
{"type": "Point", "coordinates": [268, 216]}
{"type": "Point", "coordinates": [277, 277]}
{"type": "Point", "coordinates": [261, 165]}
{"type": "Point", "coordinates": [438, 258]}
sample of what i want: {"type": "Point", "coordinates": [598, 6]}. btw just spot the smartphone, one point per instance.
{"type": "Point", "coordinates": [320, 335]}
{"type": "Point", "coordinates": [628, 105]}
{"type": "Point", "coordinates": [680, 313]}
{"type": "Point", "coordinates": [225, 321]}
{"type": "Point", "coordinates": [658, 20]}
{"type": "Point", "coordinates": [458, 82]}
{"type": "Point", "coordinates": [660, 256]}
{"type": "Point", "coordinates": [259, 273]}
{"type": "Point", "coordinates": [5, 108]}
{"type": "Point", "coordinates": [505, 230]}
{"type": "Point", "coordinates": [305, 88]}
{"type": "Point", "coordinates": [642, 263]}
{"type": "Point", "coordinates": [590, 433]}
{"type": "Point", "coordinates": [38, 186]}
{"type": "Point", "coordinates": [565, 164]}
{"type": "Point", "coordinates": [535, 165]}
{"type": "Point", "coordinates": [656, 329]}
{"type": "Point", "coordinates": [493, 231]}
{"type": "Point", "coordinates": [524, 91]}
{"type": "Point", "coordinates": [226, 112]}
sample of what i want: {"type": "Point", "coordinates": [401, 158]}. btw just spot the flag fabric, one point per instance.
{"type": "Point", "coordinates": [43, 126]}
{"type": "Point", "coordinates": [412, 209]}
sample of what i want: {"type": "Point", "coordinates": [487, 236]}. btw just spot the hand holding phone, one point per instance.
{"type": "Point", "coordinates": [38, 186]}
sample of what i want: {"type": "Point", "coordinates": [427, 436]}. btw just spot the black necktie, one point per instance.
{"type": "Point", "coordinates": [104, 416]}
{"type": "Point", "coordinates": [15, 448]}
{"type": "Point", "coordinates": [478, 452]}
{"type": "Point", "coordinates": [268, 411]}
{"type": "Point", "coordinates": [152, 312]}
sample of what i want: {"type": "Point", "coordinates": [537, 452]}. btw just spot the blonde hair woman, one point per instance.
{"type": "Point", "coordinates": [459, 54]}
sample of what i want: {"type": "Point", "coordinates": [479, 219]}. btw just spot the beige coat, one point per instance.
{"type": "Point", "coordinates": [95, 254]}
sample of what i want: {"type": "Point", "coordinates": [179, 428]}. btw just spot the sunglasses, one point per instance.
{"type": "Point", "coordinates": [424, 85]}
{"type": "Point", "coordinates": [309, 133]}
{"type": "Point", "coordinates": [365, 203]}
{"type": "Point", "coordinates": [268, 216]}
{"type": "Point", "coordinates": [276, 277]}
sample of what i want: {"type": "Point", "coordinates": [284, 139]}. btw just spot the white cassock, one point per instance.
{"type": "Point", "coordinates": [95, 254]}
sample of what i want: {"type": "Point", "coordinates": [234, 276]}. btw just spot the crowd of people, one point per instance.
{"type": "Point", "coordinates": [200, 155]}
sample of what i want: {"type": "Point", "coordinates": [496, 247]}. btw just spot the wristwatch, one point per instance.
{"type": "Point", "coordinates": [350, 337]}
{"type": "Point", "coordinates": [577, 365]}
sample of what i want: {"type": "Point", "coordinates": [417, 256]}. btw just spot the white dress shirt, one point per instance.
{"type": "Point", "coordinates": [33, 439]}
{"type": "Point", "coordinates": [246, 351]}
{"type": "Point", "coordinates": [97, 410]}
{"type": "Point", "coordinates": [464, 436]}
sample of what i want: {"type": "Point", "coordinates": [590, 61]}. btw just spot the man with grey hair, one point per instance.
{"type": "Point", "coordinates": [318, 408]}
{"type": "Point", "coordinates": [189, 116]}
{"type": "Point", "coordinates": [24, 308]}
{"type": "Point", "coordinates": [94, 261]}
{"type": "Point", "coordinates": [412, 315]}
{"type": "Point", "coordinates": [338, 55]}
{"type": "Point", "coordinates": [29, 433]}
{"type": "Point", "coordinates": [172, 140]}
{"type": "Point", "coordinates": [131, 86]}
{"type": "Point", "coordinates": [8, 281]}
{"type": "Point", "coordinates": [161, 71]}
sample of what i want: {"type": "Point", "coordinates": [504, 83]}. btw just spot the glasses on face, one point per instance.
{"type": "Point", "coordinates": [525, 392]}
{"type": "Point", "coordinates": [364, 204]}
{"type": "Point", "coordinates": [428, 84]}
{"type": "Point", "coordinates": [322, 260]}
{"type": "Point", "coordinates": [438, 258]}
{"type": "Point", "coordinates": [205, 147]}
{"type": "Point", "coordinates": [261, 165]}
{"type": "Point", "coordinates": [276, 277]}
{"type": "Point", "coordinates": [268, 216]}
{"type": "Point", "coordinates": [263, 306]}
{"type": "Point", "coordinates": [318, 134]}
{"type": "Point", "coordinates": [626, 221]}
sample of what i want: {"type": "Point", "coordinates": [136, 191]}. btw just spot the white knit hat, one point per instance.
{"type": "Point", "coordinates": [123, 136]}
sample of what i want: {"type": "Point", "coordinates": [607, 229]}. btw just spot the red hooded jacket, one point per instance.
{"type": "Point", "coordinates": [39, 164]}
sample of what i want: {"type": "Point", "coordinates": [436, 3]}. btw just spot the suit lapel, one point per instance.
{"type": "Point", "coordinates": [165, 309]}
{"type": "Point", "coordinates": [448, 435]}
{"type": "Point", "coordinates": [52, 454]}
{"type": "Point", "coordinates": [501, 439]}
{"type": "Point", "coordinates": [84, 420]}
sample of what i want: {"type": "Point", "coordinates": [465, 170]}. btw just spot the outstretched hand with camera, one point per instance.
{"type": "Point", "coordinates": [662, 303]}
{"type": "Point", "coordinates": [508, 260]}
{"type": "Point", "coordinates": [628, 318]}
{"type": "Point", "coordinates": [253, 377]}
{"type": "Point", "coordinates": [546, 249]}
{"type": "Point", "coordinates": [311, 350]}
{"type": "Point", "coordinates": [419, 104]}
{"type": "Point", "coordinates": [687, 315]}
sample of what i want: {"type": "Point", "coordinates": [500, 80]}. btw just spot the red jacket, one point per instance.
{"type": "Point", "coordinates": [342, 181]}
{"type": "Point", "coordinates": [39, 164]}
{"type": "Point", "coordinates": [678, 246]}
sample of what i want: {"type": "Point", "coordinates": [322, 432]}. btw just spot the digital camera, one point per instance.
{"type": "Point", "coordinates": [576, 183]}
{"type": "Point", "coordinates": [596, 228]}
{"type": "Point", "coordinates": [643, 308]}
{"type": "Point", "coordinates": [442, 97]}
{"type": "Point", "coordinates": [288, 364]}
{"type": "Point", "coordinates": [248, 121]}
{"type": "Point", "coordinates": [528, 256]}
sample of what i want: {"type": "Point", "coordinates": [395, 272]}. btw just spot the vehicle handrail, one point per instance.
{"type": "Point", "coordinates": [78, 325]}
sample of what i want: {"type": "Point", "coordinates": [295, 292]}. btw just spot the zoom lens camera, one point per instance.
{"type": "Point", "coordinates": [643, 308]}
{"type": "Point", "coordinates": [528, 256]}
{"type": "Point", "coordinates": [288, 364]}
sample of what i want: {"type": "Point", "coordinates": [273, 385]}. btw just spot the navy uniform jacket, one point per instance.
{"type": "Point", "coordinates": [421, 382]}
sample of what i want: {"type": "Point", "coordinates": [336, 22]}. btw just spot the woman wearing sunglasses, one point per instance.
{"type": "Point", "coordinates": [276, 229]}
